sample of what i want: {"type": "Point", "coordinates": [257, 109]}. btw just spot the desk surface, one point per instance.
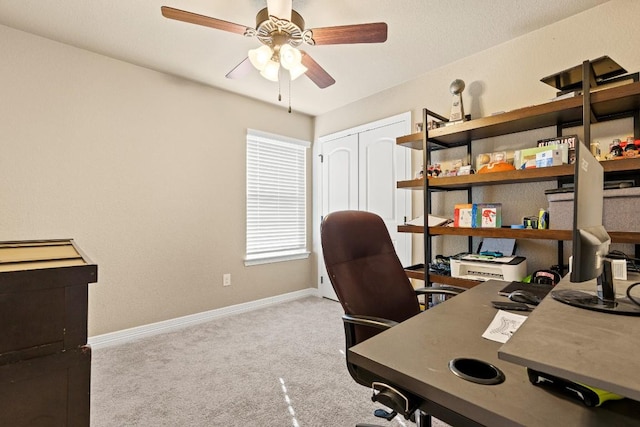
{"type": "Point", "coordinates": [598, 349]}
{"type": "Point", "coordinates": [415, 355]}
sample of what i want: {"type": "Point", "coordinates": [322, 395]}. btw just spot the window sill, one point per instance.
{"type": "Point", "coordinates": [275, 257]}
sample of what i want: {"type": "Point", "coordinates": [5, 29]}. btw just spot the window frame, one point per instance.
{"type": "Point", "coordinates": [283, 253]}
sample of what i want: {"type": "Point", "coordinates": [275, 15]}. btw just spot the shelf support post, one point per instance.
{"type": "Point", "coordinates": [426, 196]}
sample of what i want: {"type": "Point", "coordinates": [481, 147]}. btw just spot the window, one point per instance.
{"type": "Point", "coordinates": [276, 198]}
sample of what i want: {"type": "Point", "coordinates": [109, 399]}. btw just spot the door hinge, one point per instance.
{"type": "Point", "coordinates": [321, 279]}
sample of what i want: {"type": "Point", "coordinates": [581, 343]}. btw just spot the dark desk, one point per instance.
{"type": "Point", "coordinates": [599, 349]}
{"type": "Point", "coordinates": [415, 355]}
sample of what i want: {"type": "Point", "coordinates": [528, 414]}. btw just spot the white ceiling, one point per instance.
{"type": "Point", "coordinates": [423, 35]}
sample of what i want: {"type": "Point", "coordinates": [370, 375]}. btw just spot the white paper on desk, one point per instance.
{"type": "Point", "coordinates": [503, 325]}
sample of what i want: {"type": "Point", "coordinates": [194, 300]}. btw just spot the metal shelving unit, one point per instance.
{"type": "Point", "coordinates": [607, 104]}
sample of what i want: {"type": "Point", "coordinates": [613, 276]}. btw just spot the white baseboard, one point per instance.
{"type": "Point", "coordinates": [131, 334]}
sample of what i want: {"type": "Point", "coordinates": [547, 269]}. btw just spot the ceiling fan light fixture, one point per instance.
{"type": "Point", "coordinates": [271, 71]}
{"type": "Point", "coordinates": [260, 57]}
{"type": "Point", "coordinates": [290, 57]}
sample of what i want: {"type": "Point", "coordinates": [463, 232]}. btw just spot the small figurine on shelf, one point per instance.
{"type": "Point", "coordinates": [434, 170]}
{"type": "Point", "coordinates": [630, 149]}
{"type": "Point", "coordinates": [457, 109]}
{"type": "Point", "coordinates": [615, 149]}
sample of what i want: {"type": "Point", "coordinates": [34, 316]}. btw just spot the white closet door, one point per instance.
{"type": "Point", "coordinates": [360, 168]}
{"type": "Point", "coordinates": [340, 174]}
{"type": "Point", "coordinates": [382, 164]}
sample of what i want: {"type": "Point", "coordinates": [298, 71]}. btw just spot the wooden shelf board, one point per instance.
{"type": "Point", "coordinates": [415, 274]}
{"type": "Point", "coordinates": [624, 237]}
{"type": "Point", "coordinates": [604, 103]}
{"type": "Point", "coordinates": [490, 232]}
{"type": "Point", "coordinates": [621, 165]}
{"type": "Point", "coordinates": [509, 177]}
{"type": "Point", "coordinates": [502, 232]}
{"type": "Point", "coordinates": [418, 273]}
{"type": "Point", "coordinates": [616, 236]}
{"type": "Point", "coordinates": [412, 184]}
{"type": "Point", "coordinates": [514, 177]}
{"type": "Point", "coordinates": [453, 281]}
{"type": "Point", "coordinates": [410, 228]}
{"type": "Point", "coordinates": [413, 141]}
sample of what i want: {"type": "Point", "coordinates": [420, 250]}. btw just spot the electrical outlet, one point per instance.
{"type": "Point", "coordinates": [226, 279]}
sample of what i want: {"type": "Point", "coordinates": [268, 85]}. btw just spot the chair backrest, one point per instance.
{"type": "Point", "coordinates": [364, 270]}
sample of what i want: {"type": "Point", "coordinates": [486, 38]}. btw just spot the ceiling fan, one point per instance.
{"type": "Point", "coordinates": [281, 30]}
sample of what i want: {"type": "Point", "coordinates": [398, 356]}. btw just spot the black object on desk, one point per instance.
{"type": "Point", "coordinates": [538, 289]}
{"type": "Point", "coordinates": [590, 396]}
{"type": "Point", "coordinates": [525, 297]}
{"type": "Point", "coordinates": [510, 305]}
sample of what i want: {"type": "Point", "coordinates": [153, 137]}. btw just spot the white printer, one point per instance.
{"type": "Point", "coordinates": [484, 267]}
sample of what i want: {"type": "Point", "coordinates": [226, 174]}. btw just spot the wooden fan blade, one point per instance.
{"type": "Point", "coordinates": [315, 72]}
{"type": "Point", "coordinates": [194, 18]}
{"type": "Point", "coordinates": [240, 70]}
{"type": "Point", "coordinates": [280, 8]}
{"type": "Point", "coordinates": [348, 34]}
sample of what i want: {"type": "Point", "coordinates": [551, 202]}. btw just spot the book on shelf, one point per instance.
{"type": "Point", "coordinates": [569, 140]}
{"type": "Point", "coordinates": [462, 215]}
{"type": "Point", "coordinates": [487, 215]}
{"type": "Point", "coordinates": [530, 157]}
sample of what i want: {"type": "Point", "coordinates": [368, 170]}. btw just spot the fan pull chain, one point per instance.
{"type": "Point", "coordinates": [279, 91]}
{"type": "Point", "coordinates": [289, 93]}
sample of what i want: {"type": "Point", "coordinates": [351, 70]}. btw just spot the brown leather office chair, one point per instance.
{"type": "Point", "coordinates": [375, 293]}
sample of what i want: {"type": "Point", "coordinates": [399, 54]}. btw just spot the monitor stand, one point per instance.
{"type": "Point", "coordinates": [605, 300]}
{"type": "Point", "coordinates": [592, 302]}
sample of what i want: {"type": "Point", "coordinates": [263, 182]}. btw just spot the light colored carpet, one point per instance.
{"type": "Point", "coordinates": [278, 366]}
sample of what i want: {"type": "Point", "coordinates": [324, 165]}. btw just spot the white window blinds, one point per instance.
{"type": "Point", "coordinates": [276, 198]}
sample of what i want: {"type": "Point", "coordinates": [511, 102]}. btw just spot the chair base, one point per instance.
{"type": "Point", "coordinates": [381, 413]}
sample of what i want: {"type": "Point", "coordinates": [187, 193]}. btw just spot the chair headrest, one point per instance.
{"type": "Point", "coordinates": [354, 234]}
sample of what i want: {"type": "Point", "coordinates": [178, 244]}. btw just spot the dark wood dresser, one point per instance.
{"type": "Point", "coordinates": [45, 363]}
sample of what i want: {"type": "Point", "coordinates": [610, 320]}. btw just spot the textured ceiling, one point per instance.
{"type": "Point", "coordinates": [423, 35]}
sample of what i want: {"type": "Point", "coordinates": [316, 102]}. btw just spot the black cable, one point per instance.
{"type": "Point", "coordinates": [615, 254]}
{"type": "Point", "coordinates": [633, 299]}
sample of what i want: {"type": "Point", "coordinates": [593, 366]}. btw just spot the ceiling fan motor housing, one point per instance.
{"type": "Point", "coordinates": [271, 30]}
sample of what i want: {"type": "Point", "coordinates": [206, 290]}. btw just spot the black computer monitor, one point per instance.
{"type": "Point", "coordinates": [591, 242]}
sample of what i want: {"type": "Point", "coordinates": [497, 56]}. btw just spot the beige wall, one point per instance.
{"type": "Point", "coordinates": [504, 78]}
{"type": "Point", "coordinates": [144, 170]}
